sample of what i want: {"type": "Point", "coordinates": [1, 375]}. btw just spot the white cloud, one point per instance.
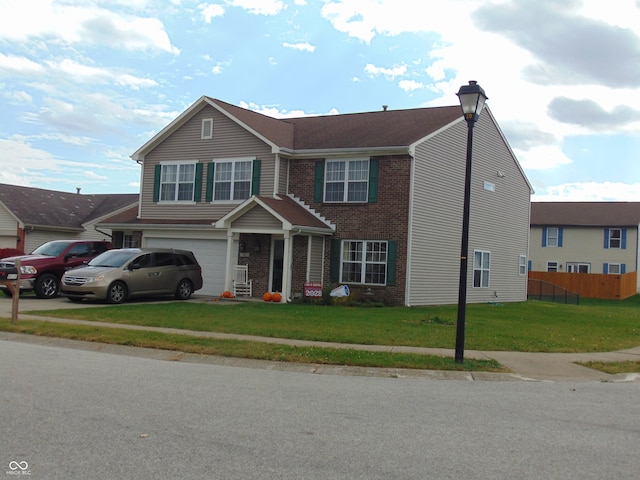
{"type": "Point", "coordinates": [589, 192]}
{"type": "Point", "coordinates": [410, 85]}
{"type": "Point", "coordinates": [19, 65]}
{"type": "Point", "coordinates": [85, 24]}
{"type": "Point", "coordinates": [391, 73]}
{"type": "Point", "coordinates": [303, 47]}
{"type": "Point", "coordinates": [259, 7]}
{"type": "Point", "coordinates": [210, 10]}
{"type": "Point", "coordinates": [541, 157]}
{"type": "Point", "coordinates": [275, 112]}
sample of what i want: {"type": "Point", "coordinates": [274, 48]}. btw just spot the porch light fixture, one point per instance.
{"type": "Point", "coordinates": [472, 98]}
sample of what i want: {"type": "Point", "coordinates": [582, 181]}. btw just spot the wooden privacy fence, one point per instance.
{"type": "Point", "coordinates": [592, 285]}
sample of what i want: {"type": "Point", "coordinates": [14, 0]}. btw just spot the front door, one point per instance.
{"type": "Point", "coordinates": [277, 265]}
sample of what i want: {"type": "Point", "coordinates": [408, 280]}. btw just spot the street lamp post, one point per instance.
{"type": "Point", "coordinates": [472, 98]}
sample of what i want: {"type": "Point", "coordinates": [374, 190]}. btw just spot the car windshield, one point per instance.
{"type": "Point", "coordinates": [52, 249]}
{"type": "Point", "coordinates": [113, 258]}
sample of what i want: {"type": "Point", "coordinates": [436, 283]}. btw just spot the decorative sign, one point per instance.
{"type": "Point", "coordinates": [341, 291]}
{"type": "Point", "coordinates": [312, 289]}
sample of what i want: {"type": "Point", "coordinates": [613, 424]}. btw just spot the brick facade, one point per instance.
{"type": "Point", "coordinates": [386, 219]}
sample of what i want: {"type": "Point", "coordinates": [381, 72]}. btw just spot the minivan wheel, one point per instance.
{"type": "Point", "coordinates": [47, 286]}
{"type": "Point", "coordinates": [117, 293]}
{"type": "Point", "coordinates": [184, 290]}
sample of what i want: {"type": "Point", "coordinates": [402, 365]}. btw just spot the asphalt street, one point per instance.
{"type": "Point", "coordinates": [71, 413]}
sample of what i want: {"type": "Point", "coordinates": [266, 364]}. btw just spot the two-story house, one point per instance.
{"type": "Point", "coordinates": [585, 237]}
{"type": "Point", "coordinates": [370, 200]}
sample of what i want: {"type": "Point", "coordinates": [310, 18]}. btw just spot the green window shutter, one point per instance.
{"type": "Point", "coordinates": [197, 191]}
{"type": "Point", "coordinates": [318, 185]}
{"type": "Point", "coordinates": [334, 265]}
{"type": "Point", "coordinates": [156, 183]}
{"type": "Point", "coordinates": [255, 178]}
{"type": "Point", "coordinates": [209, 191]}
{"type": "Point", "coordinates": [373, 179]}
{"type": "Point", "coordinates": [392, 257]}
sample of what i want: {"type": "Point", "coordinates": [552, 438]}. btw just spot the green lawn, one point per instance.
{"type": "Point", "coordinates": [593, 326]}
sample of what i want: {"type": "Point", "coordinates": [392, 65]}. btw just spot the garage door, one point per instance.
{"type": "Point", "coordinates": [211, 255]}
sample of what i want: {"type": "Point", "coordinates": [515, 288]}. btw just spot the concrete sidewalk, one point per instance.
{"type": "Point", "coordinates": [524, 365]}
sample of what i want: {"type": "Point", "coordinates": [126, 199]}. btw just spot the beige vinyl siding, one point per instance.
{"type": "Point", "coordinates": [8, 229]}
{"type": "Point", "coordinates": [499, 220]}
{"type": "Point", "coordinates": [36, 238]}
{"type": "Point", "coordinates": [257, 219]}
{"type": "Point", "coordinates": [583, 245]}
{"type": "Point", "coordinates": [229, 141]}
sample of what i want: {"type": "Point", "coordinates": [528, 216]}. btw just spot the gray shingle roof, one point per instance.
{"type": "Point", "coordinates": [618, 214]}
{"type": "Point", "coordinates": [35, 206]}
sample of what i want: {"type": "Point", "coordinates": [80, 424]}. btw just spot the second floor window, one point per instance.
{"type": "Point", "coordinates": [232, 180]}
{"type": "Point", "coordinates": [615, 238]}
{"type": "Point", "coordinates": [346, 180]}
{"type": "Point", "coordinates": [177, 182]}
{"type": "Point", "coordinates": [552, 237]}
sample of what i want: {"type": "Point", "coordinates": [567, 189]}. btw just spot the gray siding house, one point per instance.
{"type": "Point", "coordinates": [370, 200]}
{"type": "Point", "coordinates": [30, 216]}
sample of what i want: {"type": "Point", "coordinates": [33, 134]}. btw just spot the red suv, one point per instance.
{"type": "Point", "coordinates": [42, 269]}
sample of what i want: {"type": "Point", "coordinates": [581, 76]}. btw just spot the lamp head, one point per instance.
{"type": "Point", "coordinates": [472, 98]}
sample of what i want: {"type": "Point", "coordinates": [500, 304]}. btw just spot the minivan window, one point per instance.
{"type": "Point", "coordinates": [162, 259]}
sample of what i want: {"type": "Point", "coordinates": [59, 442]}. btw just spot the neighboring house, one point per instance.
{"type": "Point", "coordinates": [30, 217]}
{"type": "Point", "coordinates": [585, 237]}
{"type": "Point", "coordinates": [371, 200]}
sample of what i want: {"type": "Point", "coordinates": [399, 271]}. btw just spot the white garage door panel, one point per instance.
{"type": "Point", "coordinates": [210, 255]}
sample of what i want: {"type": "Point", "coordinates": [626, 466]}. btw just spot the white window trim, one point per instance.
{"type": "Point", "coordinates": [557, 265]}
{"type": "Point", "coordinates": [483, 271]}
{"type": "Point", "coordinates": [178, 163]}
{"type": "Point", "coordinates": [619, 265]}
{"type": "Point", "coordinates": [556, 238]}
{"type": "Point", "coordinates": [364, 263]}
{"type": "Point", "coordinates": [345, 182]}
{"type": "Point", "coordinates": [574, 267]}
{"type": "Point", "coordinates": [618, 238]}
{"type": "Point", "coordinates": [234, 160]}
{"type": "Point", "coordinates": [522, 265]}
{"type": "Point", "coordinates": [207, 129]}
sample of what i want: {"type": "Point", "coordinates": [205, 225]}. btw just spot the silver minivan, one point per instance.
{"type": "Point", "coordinates": [120, 274]}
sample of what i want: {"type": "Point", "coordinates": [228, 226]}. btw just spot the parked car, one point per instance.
{"type": "Point", "coordinates": [120, 274]}
{"type": "Point", "coordinates": [42, 269]}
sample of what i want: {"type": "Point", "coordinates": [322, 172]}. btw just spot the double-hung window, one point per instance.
{"type": "Point", "coordinates": [552, 237]}
{"type": "Point", "coordinates": [522, 265]}
{"type": "Point", "coordinates": [481, 268]}
{"type": "Point", "coordinates": [232, 180]}
{"type": "Point", "coordinates": [615, 237]}
{"type": "Point", "coordinates": [177, 182]}
{"type": "Point", "coordinates": [364, 262]}
{"type": "Point", "coordinates": [346, 180]}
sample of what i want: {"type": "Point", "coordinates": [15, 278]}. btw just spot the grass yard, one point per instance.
{"type": "Point", "coordinates": [593, 326]}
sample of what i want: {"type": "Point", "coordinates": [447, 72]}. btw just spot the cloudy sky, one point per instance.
{"type": "Point", "coordinates": [83, 84]}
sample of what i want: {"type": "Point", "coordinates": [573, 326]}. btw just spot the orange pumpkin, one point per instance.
{"type": "Point", "coordinates": [276, 297]}
{"type": "Point", "coordinates": [266, 297]}
{"type": "Point", "coordinates": [227, 294]}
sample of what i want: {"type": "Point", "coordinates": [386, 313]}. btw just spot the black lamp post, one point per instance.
{"type": "Point", "coordinates": [472, 98]}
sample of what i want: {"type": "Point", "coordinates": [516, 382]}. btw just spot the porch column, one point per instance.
{"type": "Point", "coordinates": [287, 256]}
{"type": "Point", "coordinates": [231, 236]}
